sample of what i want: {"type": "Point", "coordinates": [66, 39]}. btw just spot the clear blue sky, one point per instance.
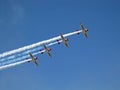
{"type": "Point", "coordinates": [92, 64]}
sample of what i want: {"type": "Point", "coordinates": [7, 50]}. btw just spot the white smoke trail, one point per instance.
{"type": "Point", "coordinates": [13, 64]}
{"type": "Point", "coordinates": [20, 54]}
{"type": "Point", "coordinates": [19, 62]}
{"type": "Point", "coordinates": [25, 55]}
{"type": "Point", "coordinates": [36, 44]}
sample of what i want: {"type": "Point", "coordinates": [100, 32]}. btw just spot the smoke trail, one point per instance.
{"type": "Point", "coordinates": [13, 64]}
{"type": "Point", "coordinates": [25, 55]}
{"type": "Point", "coordinates": [18, 63]}
{"type": "Point", "coordinates": [36, 44]}
{"type": "Point", "coordinates": [20, 54]}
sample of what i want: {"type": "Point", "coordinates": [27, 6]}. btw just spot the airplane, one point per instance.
{"type": "Point", "coordinates": [33, 59]}
{"type": "Point", "coordinates": [84, 30]}
{"type": "Point", "coordinates": [64, 40]}
{"type": "Point", "coordinates": [47, 50]}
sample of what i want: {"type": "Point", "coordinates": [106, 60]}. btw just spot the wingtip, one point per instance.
{"type": "Point", "coordinates": [81, 24]}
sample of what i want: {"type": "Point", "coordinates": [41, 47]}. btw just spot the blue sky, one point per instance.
{"type": "Point", "coordinates": [92, 64]}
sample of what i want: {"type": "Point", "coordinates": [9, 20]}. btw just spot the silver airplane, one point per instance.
{"type": "Point", "coordinates": [47, 50]}
{"type": "Point", "coordinates": [64, 40]}
{"type": "Point", "coordinates": [33, 59]}
{"type": "Point", "coordinates": [84, 30]}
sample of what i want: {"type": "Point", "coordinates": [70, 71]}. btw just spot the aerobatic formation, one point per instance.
{"type": "Point", "coordinates": [28, 53]}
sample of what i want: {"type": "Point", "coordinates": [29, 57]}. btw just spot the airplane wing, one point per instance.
{"type": "Point", "coordinates": [36, 63]}
{"type": "Point", "coordinates": [49, 54]}
{"type": "Point", "coordinates": [31, 55]}
{"type": "Point", "coordinates": [86, 35]}
{"type": "Point", "coordinates": [62, 36]}
{"type": "Point", "coordinates": [66, 44]}
{"type": "Point", "coordinates": [82, 27]}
